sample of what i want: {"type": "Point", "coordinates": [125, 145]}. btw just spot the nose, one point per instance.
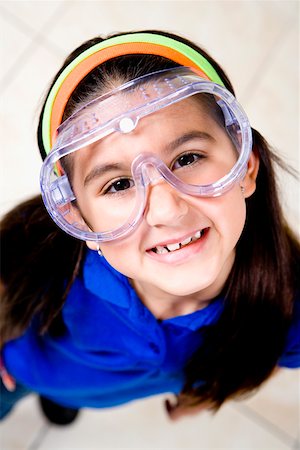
{"type": "Point", "coordinates": [165, 206]}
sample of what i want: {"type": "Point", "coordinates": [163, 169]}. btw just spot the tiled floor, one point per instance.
{"type": "Point", "coordinates": [257, 42]}
{"type": "Point", "coordinates": [267, 421]}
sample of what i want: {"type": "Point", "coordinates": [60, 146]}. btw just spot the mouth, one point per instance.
{"type": "Point", "coordinates": [175, 246]}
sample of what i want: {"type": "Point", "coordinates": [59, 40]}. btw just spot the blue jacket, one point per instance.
{"type": "Point", "coordinates": [114, 350]}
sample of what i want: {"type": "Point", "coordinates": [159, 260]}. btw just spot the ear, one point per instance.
{"type": "Point", "coordinates": [92, 245]}
{"type": "Point", "coordinates": [249, 181]}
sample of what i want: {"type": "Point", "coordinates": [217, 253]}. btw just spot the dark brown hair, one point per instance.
{"type": "Point", "coordinates": [241, 350]}
{"type": "Point", "coordinates": [38, 263]}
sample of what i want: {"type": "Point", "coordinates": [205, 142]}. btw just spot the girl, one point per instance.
{"type": "Point", "coordinates": [189, 280]}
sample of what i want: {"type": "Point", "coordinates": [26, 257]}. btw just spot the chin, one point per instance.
{"type": "Point", "coordinates": [182, 289]}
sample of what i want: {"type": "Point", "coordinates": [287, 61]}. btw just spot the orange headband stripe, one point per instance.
{"type": "Point", "coordinates": [94, 60]}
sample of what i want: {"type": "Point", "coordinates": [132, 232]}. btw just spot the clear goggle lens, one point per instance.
{"type": "Point", "coordinates": [213, 157]}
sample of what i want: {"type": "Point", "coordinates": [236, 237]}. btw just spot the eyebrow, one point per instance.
{"type": "Point", "coordinates": [186, 138]}
{"type": "Point", "coordinates": [100, 170]}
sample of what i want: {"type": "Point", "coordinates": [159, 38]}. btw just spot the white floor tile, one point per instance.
{"type": "Point", "coordinates": [140, 425]}
{"type": "Point", "coordinates": [29, 15]}
{"type": "Point", "coordinates": [240, 42]}
{"type": "Point", "coordinates": [278, 401]}
{"type": "Point", "coordinates": [255, 28]}
{"type": "Point", "coordinates": [274, 103]}
{"type": "Point", "coordinates": [12, 45]}
{"type": "Point", "coordinates": [20, 158]}
{"type": "Point", "coordinates": [19, 430]}
{"type": "Point", "coordinates": [144, 425]}
{"type": "Point", "coordinates": [273, 109]}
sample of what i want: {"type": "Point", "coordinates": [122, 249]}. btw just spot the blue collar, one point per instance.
{"type": "Point", "coordinates": [102, 280]}
{"type": "Point", "coordinates": [105, 282]}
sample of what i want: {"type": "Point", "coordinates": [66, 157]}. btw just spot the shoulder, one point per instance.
{"type": "Point", "coordinates": [291, 355]}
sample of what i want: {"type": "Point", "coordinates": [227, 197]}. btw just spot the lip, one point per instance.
{"type": "Point", "coordinates": [175, 240]}
{"type": "Point", "coordinates": [182, 255]}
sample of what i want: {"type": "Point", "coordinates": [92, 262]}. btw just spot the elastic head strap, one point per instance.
{"type": "Point", "coordinates": [82, 65]}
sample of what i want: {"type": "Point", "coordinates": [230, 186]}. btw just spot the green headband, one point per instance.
{"type": "Point", "coordinates": [83, 64]}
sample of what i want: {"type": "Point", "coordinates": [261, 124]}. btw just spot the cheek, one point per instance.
{"type": "Point", "coordinates": [227, 215]}
{"type": "Point", "coordinates": [232, 214]}
{"type": "Point", "coordinates": [122, 255]}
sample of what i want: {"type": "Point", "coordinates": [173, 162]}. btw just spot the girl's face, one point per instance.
{"type": "Point", "coordinates": [207, 229]}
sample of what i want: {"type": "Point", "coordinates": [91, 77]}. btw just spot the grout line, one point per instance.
{"type": "Point", "coordinates": [31, 32]}
{"type": "Point", "coordinates": [10, 74]}
{"type": "Point", "coordinates": [269, 426]}
{"type": "Point", "coordinates": [24, 28]}
{"type": "Point", "coordinates": [39, 438]}
{"type": "Point", "coordinates": [296, 445]}
{"type": "Point", "coordinates": [37, 37]}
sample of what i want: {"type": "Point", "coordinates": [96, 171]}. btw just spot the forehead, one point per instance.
{"type": "Point", "coordinates": [193, 112]}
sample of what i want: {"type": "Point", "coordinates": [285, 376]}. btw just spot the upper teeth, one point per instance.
{"type": "Point", "coordinates": [171, 247]}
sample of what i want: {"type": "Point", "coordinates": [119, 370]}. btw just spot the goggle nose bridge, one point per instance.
{"type": "Point", "coordinates": [150, 174]}
{"type": "Point", "coordinates": [149, 169]}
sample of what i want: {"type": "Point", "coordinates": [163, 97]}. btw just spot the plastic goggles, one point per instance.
{"type": "Point", "coordinates": [121, 204]}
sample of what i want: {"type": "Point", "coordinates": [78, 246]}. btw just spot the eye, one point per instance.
{"type": "Point", "coordinates": [186, 160]}
{"type": "Point", "coordinates": [122, 184]}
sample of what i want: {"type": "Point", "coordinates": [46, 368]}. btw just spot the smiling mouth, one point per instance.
{"type": "Point", "coordinates": [169, 248]}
